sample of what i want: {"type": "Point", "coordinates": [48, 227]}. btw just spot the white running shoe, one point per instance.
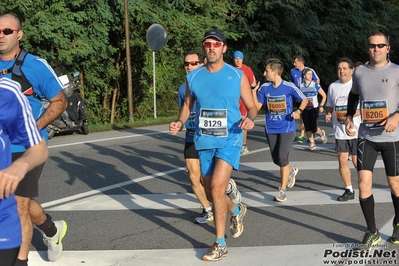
{"type": "Point", "coordinates": [234, 194]}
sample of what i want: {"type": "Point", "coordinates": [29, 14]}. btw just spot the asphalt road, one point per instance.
{"type": "Point", "coordinates": [127, 200]}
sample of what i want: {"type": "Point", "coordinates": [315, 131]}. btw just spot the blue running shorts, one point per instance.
{"type": "Point", "coordinates": [230, 154]}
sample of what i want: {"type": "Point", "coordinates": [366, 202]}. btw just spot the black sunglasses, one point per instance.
{"type": "Point", "coordinates": [7, 31]}
{"type": "Point", "coordinates": [380, 45]}
{"type": "Point", "coordinates": [193, 63]}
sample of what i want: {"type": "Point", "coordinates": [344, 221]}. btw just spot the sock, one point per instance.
{"type": "Point", "coordinates": [395, 201]}
{"type": "Point", "coordinates": [19, 262]}
{"type": "Point", "coordinates": [367, 206]}
{"type": "Point", "coordinates": [48, 227]}
{"type": "Point", "coordinates": [236, 211]}
{"type": "Point", "coordinates": [350, 188]}
{"type": "Point", "coordinates": [221, 241]}
{"type": "Point", "coordinates": [209, 209]}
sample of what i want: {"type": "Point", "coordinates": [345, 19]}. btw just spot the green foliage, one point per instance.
{"type": "Point", "coordinates": [89, 36]}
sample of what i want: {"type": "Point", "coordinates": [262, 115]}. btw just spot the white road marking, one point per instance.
{"type": "Point", "coordinates": [101, 202]}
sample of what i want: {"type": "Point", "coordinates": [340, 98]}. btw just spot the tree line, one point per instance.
{"type": "Point", "coordinates": [89, 36]}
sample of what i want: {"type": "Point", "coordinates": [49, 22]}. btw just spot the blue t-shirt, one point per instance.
{"type": "Point", "coordinates": [296, 76]}
{"type": "Point", "coordinates": [44, 82]}
{"type": "Point", "coordinates": [218, 115]}
{"type": "Point", "coordinates": [16, 126]}
{"type": "Point", "coordinates": [278, 103]}
{"type": "Point", "coordinates": [190, 123]}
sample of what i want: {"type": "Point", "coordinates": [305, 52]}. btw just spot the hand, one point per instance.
{"type": "Point", "coordinates": [246, 123]}
{"type": "Point", "coordinates": [350, 128]}
{"type": "Point", "coordinates": [175, 127]}
{"type": "Point", "coordinates": [390, 124]}
{"type": "Point", "coordinates": [256, 87]}
{"type": "Point", "coordinates": [321, 109]}
{"type": "Point", "coordinates": [328, 117]}
{"type": "Point", "coordinates": [296, 114]}
{"type": "Point", "coordinates": [10, 178]}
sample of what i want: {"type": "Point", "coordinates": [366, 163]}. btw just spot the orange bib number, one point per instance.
{"type": "Point", "coordinates": [374, 112]}
{"type": "Point", "coordinates": [277, 105]}
{"type": "Point", "coordinates": [340, 113]}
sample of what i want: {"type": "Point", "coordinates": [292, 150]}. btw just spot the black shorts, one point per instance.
{"type": "Point", "coordinates": [8, 256]}
{"type": "Point", "coordinates": [310, 117]}
{"type": "Point", "coordinates": [189, 151]}
{"type": "Point", "coordinates": [29, 185]}
{"type": "Point", "coordinates": [367, 152]}
{"type": "Point", "coordinates": [346, 145]}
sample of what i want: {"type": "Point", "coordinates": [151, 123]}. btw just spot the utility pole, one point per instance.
{"type": "Point", "coordinates": [128, 63]}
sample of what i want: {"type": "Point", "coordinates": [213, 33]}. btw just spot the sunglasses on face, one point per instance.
{"type": "Point", "coordinates": [7, 31]}
{"type": "Point", "coordinates": [192, 63]}
{"type": "Point", "coordinates": [380, 45]}
{"type": "Point", "coordinates": [214, 44]}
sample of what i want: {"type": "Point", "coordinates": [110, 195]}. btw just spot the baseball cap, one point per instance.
{"type": "Point", "coordinates": [238, 54]}
{"type": "Point", "coordinates": [215, 33]}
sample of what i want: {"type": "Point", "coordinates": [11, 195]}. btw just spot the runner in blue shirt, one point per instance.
{"type": "Point", "coordinates": [278, 97]}
{"type": "Point", "coordinates": [44, 83]}
{"type": "Point", "coordinates": [18, 127]}
{"type": "Point", "coordinates": [193, 60]}
{"type": "Point", "coordinates": [216, 90]}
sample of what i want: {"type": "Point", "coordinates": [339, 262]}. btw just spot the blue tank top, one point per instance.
{"type": "Point", "coordinates": [217, 109]}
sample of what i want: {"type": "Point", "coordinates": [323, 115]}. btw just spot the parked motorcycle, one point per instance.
{"type": "Point", "coordinates": [73, 119]}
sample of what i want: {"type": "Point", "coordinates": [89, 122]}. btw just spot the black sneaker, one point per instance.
{"type": "Point", "coordinates": [395, 234]}
{"type": "Point", "coordinates": [348, 195]}
{"type": "Point", "coordinates": [369, 240]}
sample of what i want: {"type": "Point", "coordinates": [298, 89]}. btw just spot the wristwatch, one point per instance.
{"type": "Point", "coordinates": [250, 117]}
{"type": "Point", "coordinates": [300, 110]}
{"type": "Point", "coordinates": [322, 106]}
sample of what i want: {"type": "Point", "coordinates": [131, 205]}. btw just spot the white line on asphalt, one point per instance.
{"type": "Point", "coordinates": [103, 189]}
{"type": "Point", "coordinates": [244, 167]}
{"type": "Point", "coordinates": [106, 139]}
{"type": "Point", "coordinates": [102, 202]}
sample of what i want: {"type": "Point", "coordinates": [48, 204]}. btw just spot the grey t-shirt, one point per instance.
{"type": "Point", "coordinates": [378, 89]}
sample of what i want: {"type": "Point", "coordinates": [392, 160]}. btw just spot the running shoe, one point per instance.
{"type": "Point", "coordinates": [54, 243]}
{"type": "Point", "coordinates": [205, 216]}
{"type": "Point", "coordinates": [323, 137]}
{"type": "Point", "coordinates": [369, 240]}
{"type": "Point", "coordinates": [281, 196]}
{"type": "Point", "coordinates": [312, 146]}
{"type": "Point", "coordinates": [395, 234]}
{"type": "Point", "coordinates": [236, 221]}
{"type": "Point", "coordinates": [244, 150]}
{"type": "Point", "coordinates": [233, 193]}
{"type": "Point", "coordinates": [348, 195]}
{"type": "Point", "coordinates": [291, 179]}
{"type": "Point", "coordinates": [300, 139]}
{"type": "Point", "coordinates": [215, 252]}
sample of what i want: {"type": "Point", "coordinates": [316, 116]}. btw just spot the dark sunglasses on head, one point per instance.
{"type": "Point", "coordinates": [7, 31]}
{"type": "Point", "coordinates": [193, 63]}
{"type": "Point", "coordinates": [380, 45]}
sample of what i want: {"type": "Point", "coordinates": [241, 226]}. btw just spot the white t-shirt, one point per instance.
{"type": "Point", "coordinates": [337, 98]}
